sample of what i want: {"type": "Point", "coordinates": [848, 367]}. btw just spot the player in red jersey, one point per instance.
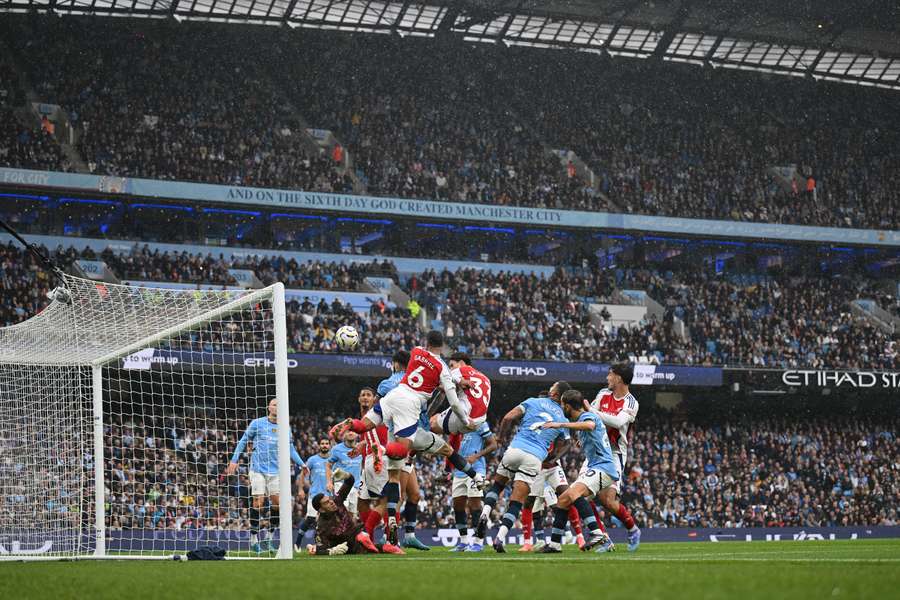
{"type": "Point", "coordinates": [476, 397]}
{"type": "Point", "coordinates": [401, 410]}
{"type": "Point", "coordinates": [372, 505]}
{"type": "Point", "coordinates": [618, 409]}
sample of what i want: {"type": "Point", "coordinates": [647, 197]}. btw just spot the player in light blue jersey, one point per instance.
{"type": "Point", "coordinates": [474, 446]}
{"type": "Point", "coordinates": [317, 467]}
{"type": "Point", "coordinates": [264, 480]}
{"type": "Point", "coordinates": [345, 462]}
{"type": "Point", "coordinates": [521, 462]}
{"type": "Point", "coordinates": [601, 473]}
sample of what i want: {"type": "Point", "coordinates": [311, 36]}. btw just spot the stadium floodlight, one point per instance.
{"type": "Point", "coordinates": [119, 408]}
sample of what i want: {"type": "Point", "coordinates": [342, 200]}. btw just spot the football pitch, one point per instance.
{"type": "Point", "coordinates": [835, 569]}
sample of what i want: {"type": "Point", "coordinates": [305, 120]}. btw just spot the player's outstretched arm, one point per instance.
{"type": "Point", "coordinates": [295, 456]}
{"type": "Point", "coordinates": [449, 387]}
{"type": "Point", "coordinates": [249, 434]}
{"type": "Point", "coordinates": [577, 426]}
{"type": "Point", "coordinates": [623, 418]}
{"type": "Point", "coordinates": [510, 420]}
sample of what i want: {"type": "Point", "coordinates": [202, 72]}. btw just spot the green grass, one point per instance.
{"type": "Point", "coordinates": [837, 569]}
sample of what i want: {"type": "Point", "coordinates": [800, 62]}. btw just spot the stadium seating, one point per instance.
{"type": "Point", "coordinates": [463, 123]}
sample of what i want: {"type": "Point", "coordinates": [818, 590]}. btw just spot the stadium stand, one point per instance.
{"type": "Point", "coordinates": [723, 146]}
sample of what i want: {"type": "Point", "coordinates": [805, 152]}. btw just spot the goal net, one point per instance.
{"type": "Point", "coordinates": [120, 408]}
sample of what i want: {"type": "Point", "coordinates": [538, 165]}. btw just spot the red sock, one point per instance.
{"type": "Point", "coordinates": [372, 522]}
{"type": "Point", "coordinates": [575, 520]}
{"type": "Point", "coordinates": [358, 426]}
{"type": "Point", "coordinates": [385, 519]}
{"type": "Point", "coordinates": [625, 516]}
{"type": "Point", "coordinates": [364, 516]}
{"type": "Point", "coordinates": [527, 523]}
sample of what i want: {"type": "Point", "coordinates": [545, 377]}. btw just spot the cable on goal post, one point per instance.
{"type": "Point", "coordinates": [42, 258]}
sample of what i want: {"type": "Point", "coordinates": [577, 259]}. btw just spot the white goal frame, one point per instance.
{"type": "Point", "coordinates": [273, 294]}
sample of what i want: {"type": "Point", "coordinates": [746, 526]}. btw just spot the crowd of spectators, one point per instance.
{"type": "Point", "coordinates": [200, 110]}
{"type": "Point", "coordinates": [757, 320]}
{"type": "Point", "coordinates": [441, 119]}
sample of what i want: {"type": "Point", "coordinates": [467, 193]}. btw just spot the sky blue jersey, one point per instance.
{"type": "Point", "coordinates": [264, 435]}
{"type": "Point", "coordinates": [530, 437]}
{"type": "Point", "coordinates": [595, 445]}
{"type": "Point", "coordinates": [340, 460]}
{"type": "Point", "coordinates": [318, 482]}
{"type": "Point", "coordinates": [472, 443]}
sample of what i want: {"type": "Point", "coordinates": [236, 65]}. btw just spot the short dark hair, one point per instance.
{"type": "Point", "coordinates": [562, 387]}
{"type": "Point", "coordinates": [461, 357]}
{"type": "Point", "coordinates": [401, 357]}
{"type": "Point", "coordinates": [623, 370]}
{"type": "Point", "coordinates": [544, 394]}
{"type": "Point", "coordinates": [573, 398]}
{"type": "Point", "coordinates": [434, 339]}
{"type": "Point", "coordinates": [365, 388]}
{"type": "Point", "coordinates": [317, 501]}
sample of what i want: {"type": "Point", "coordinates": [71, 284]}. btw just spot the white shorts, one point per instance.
{"type": "Point", "coordinates": [619, 459]}
{"type": "Point", "coordinates": [553, 476]}
{"type": "Point", "coordinates": [450, 423]}
{"type": "Point", "coordinates": [423, 442]}
{"type": "Point", "coordinates": [548, 498]}
{"type": "Point", "coordinates": [519, 465]}
{"type": "Point", "coordinates": [465, 487]}
{"type": "Point", "coordinates": [310, 511]}
{"type": "Point", "coordinates": [595, 480]}
{"type": "Point", "coordinates": [399, 410]}
{"type": "Point", "coordinates": [264, 485]}
{"type": "Point", "coordinates": [372, 483]}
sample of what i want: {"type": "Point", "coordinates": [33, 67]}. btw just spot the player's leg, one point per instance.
{"type": "Point", "coordinates": [459, 512]}
{"type": "Point", "coordinates": [587, 486]}
{"type": "Point", "coordinates": [257, 502]}
{"type": "Point", "coordinates": [309, 522]}
{"type": "Point", "coordinates": [527, 525]}
{"type": "Point", "coordinates": [412, 495]}
{"type": "Point", "coordinates": [517, 498]}
{"type": "Point", "coordinates": [439, 446]}
{"type": "Point", "coordinates": [609, 500]}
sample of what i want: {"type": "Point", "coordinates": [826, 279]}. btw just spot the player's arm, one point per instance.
{"type": "Point", "coordinates": [625, 416]}
{"type": "Point", "coordinates": [510, 420]}
{"type": "Point", "coordinates": [302, 482]}
{"type": "Point", "coordinates": [248, 436]}
{"type": "Point", "coordinates": [449, 387]}
{"type": "Point", "coordinates": [346, 488]}
{"type": "Point", "coordinates": [295, 456]}
{"type": "Point", "coordinates": [384, 387]}
{"type": "Point", "coordinates": [490, 446]}
{"type": "Point", "coordinates": [577, 426]}
{"type": "Point", "coordinates": [329, 477]}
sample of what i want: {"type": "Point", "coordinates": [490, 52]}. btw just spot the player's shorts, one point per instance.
{"type": "Point", "coordinates": [262, 484]}
{"type": "Point", "coordinates": [450, 423]}
{"type": "Point", "coordinates": [552, 476]}
{"type": "Point", "coordinates": [548, 498]}
{"type": "Point", "coordinates": [423, 442]}
{"type": "Point", "coordinates": [595, 480]}
{"type": "Point", "coordinates": [310, 511]}
{"type": "Point", "coordinates": [372, 482]}
{"type": "Point", "coordinates": [399, 410]}
{"type": "Point", "coordinates": [619, 459]}
{"type": "Point", "coordinates": [519, 465]}
{"type": "Point", "coordinates": [465, 487]}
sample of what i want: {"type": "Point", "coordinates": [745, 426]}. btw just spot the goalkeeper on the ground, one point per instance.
{"type": "Point", "coordinates": [337, 530]}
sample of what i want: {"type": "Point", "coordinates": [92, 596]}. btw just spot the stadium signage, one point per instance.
{"type": "Point", "coordinates": [856, 379]}
{"type": "Point", "coordinates": [221, 194]}
{"type": "Point", "coordinates": [520, 371]}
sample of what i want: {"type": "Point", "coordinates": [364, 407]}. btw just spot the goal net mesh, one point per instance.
{"type": "Point", "coordinates": [183, 374]}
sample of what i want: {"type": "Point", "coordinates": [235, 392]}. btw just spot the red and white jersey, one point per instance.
{"type": "Point", "coordinates": [379, 436]}
{"type": "Point", "coordinates": [478, 396]}
{"type": "Point", "coordinates": [626, 406]}
{"type": "Point", "coordinates": [426, 372]}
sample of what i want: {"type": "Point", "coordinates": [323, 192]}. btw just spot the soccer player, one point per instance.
{"type": "Point", "coordinates": [552, 477]}
{"type": "Point", "coordinates": [600, 474]}
{"type": "Point", "coordinates": [476, 397]}
{"type": "Point", "coordinates": [372, 504]}
{"type": "Point", "coordinates": [264, 480]}
{"type": "Point", "coordinates": [341, 465]}
{"type": "Point", "coordinates": [337, 530]}
{"type": "Point", "coordinates": [618, 409]}
{"type": "Point", "coordinates": [521, 462]}
{"type": "Point", "coordinates": [409, 480]}
{"type": "Point", "coordinates": [316, 466]}
{"type": "Point", "coordinates": [401, 410]}
{"type": "Point", "coordinates": [474, 446]}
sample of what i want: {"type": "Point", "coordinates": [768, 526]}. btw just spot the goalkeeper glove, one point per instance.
{"type": "Point", "coordinates": [337, 550]}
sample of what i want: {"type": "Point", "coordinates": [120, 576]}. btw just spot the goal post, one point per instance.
{"type": "Point", "coordinates": [120, 408]}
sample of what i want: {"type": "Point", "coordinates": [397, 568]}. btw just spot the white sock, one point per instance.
{"type": "Point", "coordinates": [501, 533]}
{"type": "Point", "coordinates": [254, 539]}
{"type": "Point", "coordinates": [527, 540]}
{"type": "Point", "coordinates": [486, 511]}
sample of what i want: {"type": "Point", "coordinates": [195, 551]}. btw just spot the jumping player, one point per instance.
{"type": "Point", "coordinates": [476, 397]}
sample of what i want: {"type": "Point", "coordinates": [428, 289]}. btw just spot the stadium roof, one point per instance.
{"type": "Point", "coordinates": [856, 42]}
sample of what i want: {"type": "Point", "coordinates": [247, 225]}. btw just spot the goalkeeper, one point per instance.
{"type": "Point", "coordinates": [337, 530]}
